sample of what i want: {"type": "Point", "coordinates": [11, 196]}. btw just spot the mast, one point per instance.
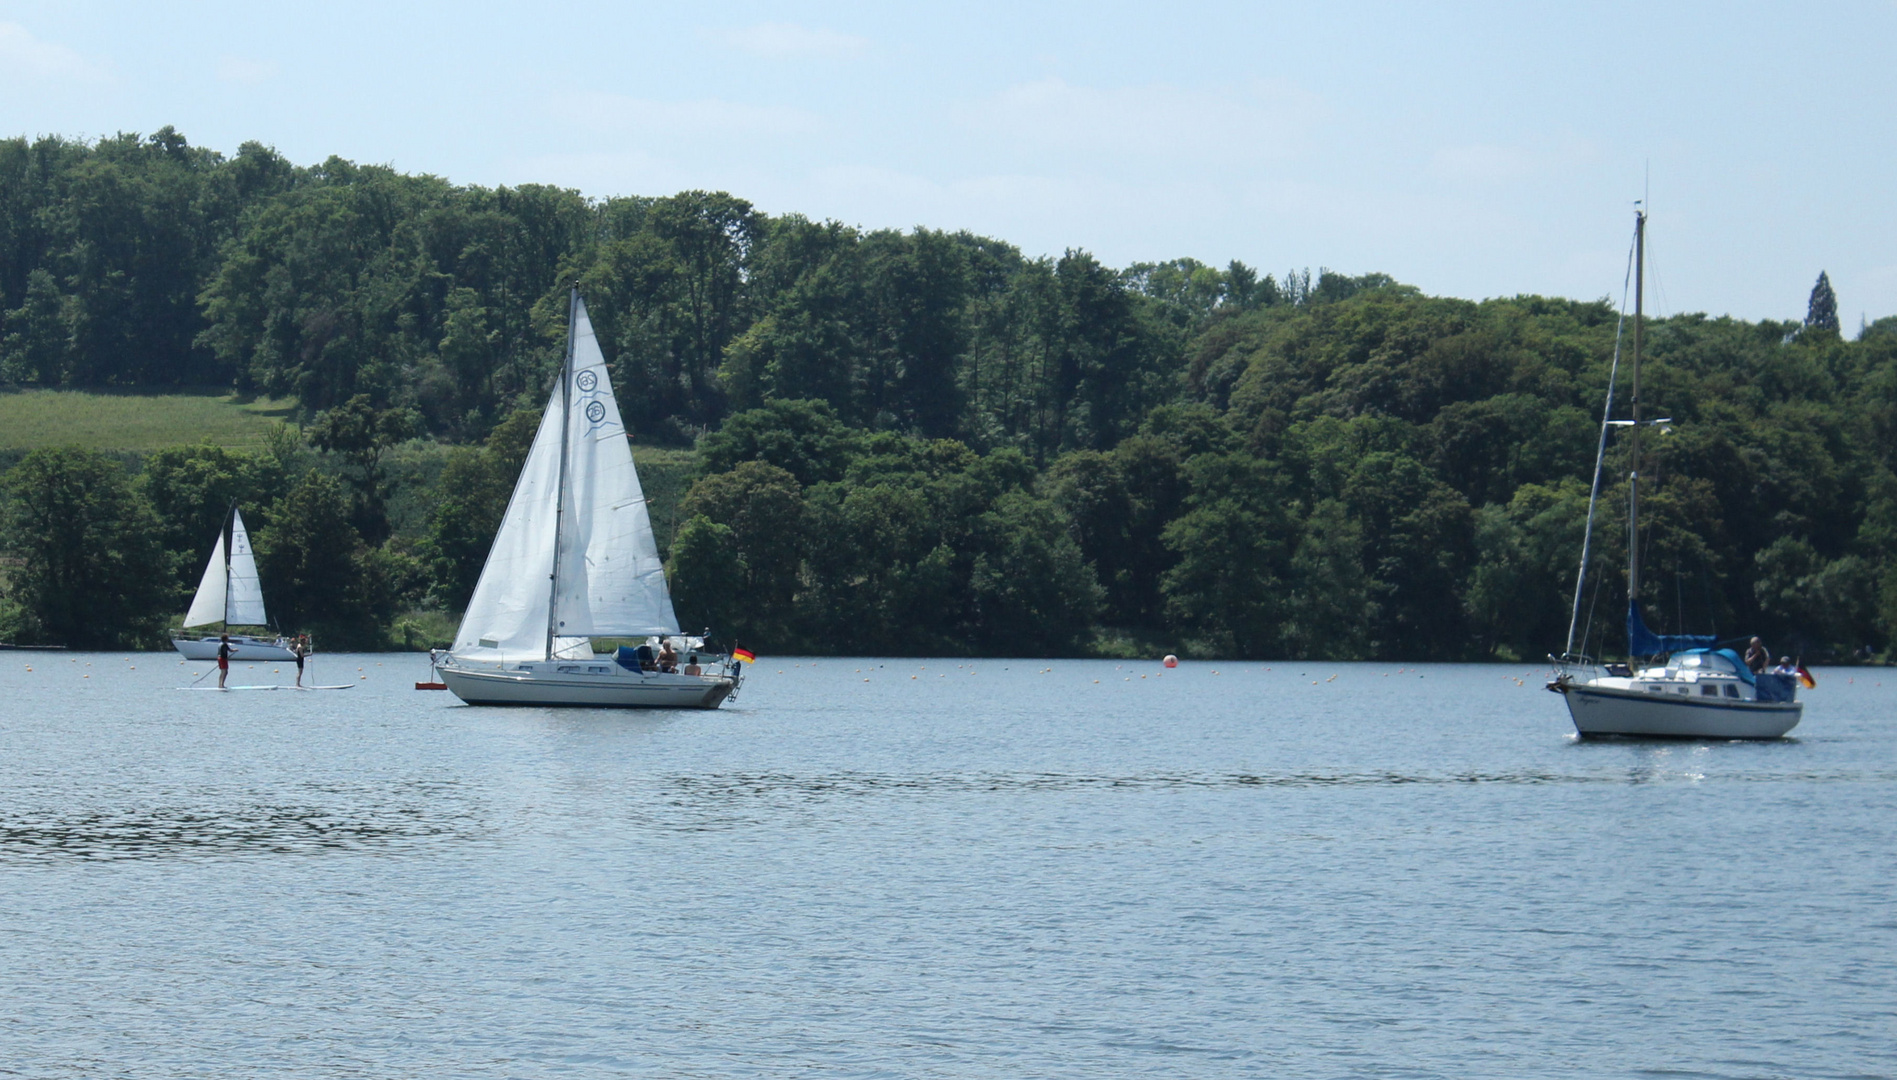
{"type": "Point", "coordinates": [230, 518]}
{"type": "Point", "coordinates": [559, 500]}
{"type": "Point", "coordinates": [1600, 455]}
{"type": "Point", "coordinates": [1633, 478]}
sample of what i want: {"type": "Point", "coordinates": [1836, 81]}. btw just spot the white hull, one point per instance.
{"type": "Point", "coordinates": [1607, 711]}
{"type": "Point", "coordinates": [242, 648]}
{"type": "Point", "coordinates": [599, 684]}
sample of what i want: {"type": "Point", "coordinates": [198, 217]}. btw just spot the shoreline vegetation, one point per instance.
{"type": "Point", "coordinates": [880, 442]}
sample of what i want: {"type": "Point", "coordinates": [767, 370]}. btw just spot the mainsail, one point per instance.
{"type": "Point", "coordinates": [230, 591]}
{"type": "Point", "coordinates": [572, 560]}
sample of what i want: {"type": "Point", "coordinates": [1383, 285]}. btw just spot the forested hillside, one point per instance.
{"type": "Point", "coordinates": [921, 442]}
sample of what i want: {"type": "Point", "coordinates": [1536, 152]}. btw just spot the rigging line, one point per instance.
{"type": "Point", "coordinates": [1679, 601]}
{"type": "Point", "coordinates": [1706, 593]}
{"type": "Point", "coordinates": [1592, 604]}
{"type": "Point", "coordinates": [1665, 309]}
{"type": "Point", "coordinates": [1600, 454]}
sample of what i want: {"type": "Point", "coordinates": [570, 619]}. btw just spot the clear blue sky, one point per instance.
{"type": "Point", "coordinates": [1473, 150]}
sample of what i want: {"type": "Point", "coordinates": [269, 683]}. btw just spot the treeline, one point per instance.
{"type": "Point", "coordinates": [927, 442]}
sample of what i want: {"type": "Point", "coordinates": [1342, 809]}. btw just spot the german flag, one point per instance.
{"type": "Point", "coordinates": [1805, 677]}
{"type": "Point", "coordinates": [745, 655]}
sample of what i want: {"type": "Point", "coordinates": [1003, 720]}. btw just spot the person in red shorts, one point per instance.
{"type": "Point", "coordinates": [223, 659]}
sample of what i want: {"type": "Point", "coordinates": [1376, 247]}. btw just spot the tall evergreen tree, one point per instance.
{"type": "Point", "coordinates": [1822, 313]}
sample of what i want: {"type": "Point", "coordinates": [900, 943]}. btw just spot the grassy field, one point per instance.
{"type": "Point", "coordinates": [130, 425]}
{"type": "Point", "coordinates": [31, 419]}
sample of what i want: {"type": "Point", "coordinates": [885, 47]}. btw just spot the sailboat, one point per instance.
{"type": "Point", "coordinates": [231, 595]}
{"type": "Point", "coordinates": [574, 560]}
{"type": "Point", "coordinates": [1687, 687]}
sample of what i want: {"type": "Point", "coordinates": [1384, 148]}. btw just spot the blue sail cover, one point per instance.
{"type": "Point", "coordinates": [1644, 642]}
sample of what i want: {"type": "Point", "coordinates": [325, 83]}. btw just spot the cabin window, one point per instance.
{"type": "Point", "coordinates": [1655, 689]}
{"type": "Point", "coordinates": [598, 670]}
{"type": "Point", "coordinates": [1731, 690]}
{"type": "Point", "coordinates": [1709, 690]}
{"type": "Point", "coordinates": [1684, 690]}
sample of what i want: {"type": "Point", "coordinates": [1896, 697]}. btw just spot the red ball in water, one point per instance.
{"type": "Point", "coordinates": [1171, 660]}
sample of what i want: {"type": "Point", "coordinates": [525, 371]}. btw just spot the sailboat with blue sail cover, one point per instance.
{"type": "Point", "coordinates": [1673, 685]}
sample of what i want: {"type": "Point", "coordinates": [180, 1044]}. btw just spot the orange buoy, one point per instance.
{"type": "Point", "coordinates": [1171, 660]}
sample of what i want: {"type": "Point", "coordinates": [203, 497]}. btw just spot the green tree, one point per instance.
{"type": "Point", "coordinates": [320, 577]}
{"type": "Point", "coordinates": [801, 436]}
{"type": "Point", "coordinates": [91, 570]}
{"type": "Point", "coordinates": [469, 500]}
{"type": "Point", "coordinates": [1417, 548]}
{"type": "Point", "coordinates": [1521, 588]}
{"type": "Point", "coordinates": [1821, 313]}
{"type": "Point", "coordinates": [1331, 614]}
{"type": "Point", "coordinates": [1032, 590]}
{"type": "Point", "coordinates": [884, 578]}
{"type": "Point", "coordinates": [1233, 546]}
{"type": "Point", "coordinates": [193, 487]}
{"type": "Point", "coordinates": [704, 561]}
{"type": "Point", "coordinates": [1119, 504]}
{"type": "Point", "coordinates": [745, 539]}
{"type": "Point", "coordinates": [1819, 607]}
{"type": "Point", "coordinates": [361, 433]}
{"type": "Point", "coordinates": [917, 289]}
{"type": "Point", "coordinates": [35, 337]}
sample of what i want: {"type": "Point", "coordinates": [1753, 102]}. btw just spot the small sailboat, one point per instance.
{"type": "Point", "coordinates": [230, 594]}
{"type": "Point", "coordinates": [1673, 685]}
{"type": "Point", "coordinates": [574, 560]}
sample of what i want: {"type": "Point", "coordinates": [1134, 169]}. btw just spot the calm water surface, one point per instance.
{"type": "Point", "coordinates": [925, 869]}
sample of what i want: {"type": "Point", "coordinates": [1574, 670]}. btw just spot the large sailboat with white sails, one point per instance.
{"type": "Point", "coordinates": [1672, 685]}
{"type": "Point", "coordinates": [574, 560]}
{"type": "Point", "coordinates": [228, 595]}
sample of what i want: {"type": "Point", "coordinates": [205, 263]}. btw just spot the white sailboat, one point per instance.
{"type": "Point", "coordinates": [230, 594]}
{"type": "Point", "coordinates": [575, 559]}
{"type": "Point", "coordinates": [1688, 688]}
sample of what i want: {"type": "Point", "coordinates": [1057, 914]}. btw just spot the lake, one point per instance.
{"type": "Point", "coordinates": [934, 868]}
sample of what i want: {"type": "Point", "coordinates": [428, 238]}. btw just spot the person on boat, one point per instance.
{"type": "Point", "coordinates": [691, 665]}
{"type": "Point", "coordinates": [1785, 667]}
{"type": "Point", "coordinates": [1757, 656]}
{"type": "Point", "coordinates": [300, 647]}
{"type": "Point", "coordinates": [668, 657]}
{"type": "Point", "coordinates": [223, 659]}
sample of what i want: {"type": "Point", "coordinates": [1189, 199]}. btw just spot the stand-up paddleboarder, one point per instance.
{"type": "Point", "coordinates": [223, 658]}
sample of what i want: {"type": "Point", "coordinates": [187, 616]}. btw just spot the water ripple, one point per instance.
{"type": "Point", "coordinates": [216, 824]}
{"type": "Point", "coordinates": [738, 785]}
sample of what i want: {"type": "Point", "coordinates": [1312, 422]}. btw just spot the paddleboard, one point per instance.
{"type": "Point", "coordinates": [344, 686]}
{"type": "Point", "coordinates": [223, 689]}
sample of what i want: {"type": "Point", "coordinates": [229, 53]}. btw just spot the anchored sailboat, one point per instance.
{"type": "Point", "coordinates": [230, 594]}
{"type": "Point", "coordinates": [575, 559]}
{"type": "Point", "coordinates": [1689, 688]}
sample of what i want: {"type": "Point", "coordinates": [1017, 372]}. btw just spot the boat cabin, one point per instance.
{"type": "Point", "coordinates": [1715, 673]}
